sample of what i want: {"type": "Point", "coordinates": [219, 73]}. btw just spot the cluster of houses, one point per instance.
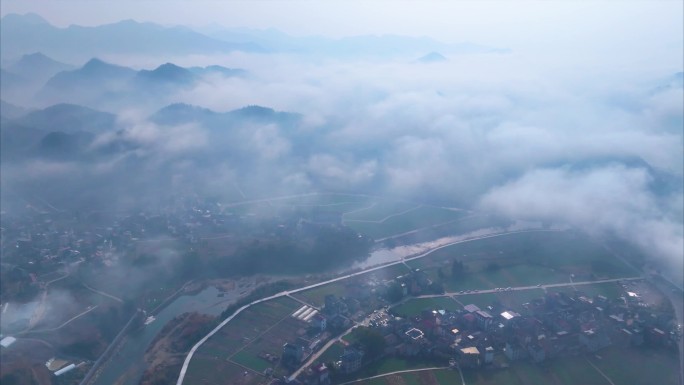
{"type": "Point", "coordinates": [551, 326]}
{"type": "Point", "coordinates": [555, 325]}
{"type": "Point", "coordinates": [39, 242]}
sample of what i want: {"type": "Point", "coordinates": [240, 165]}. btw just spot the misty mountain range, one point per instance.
{"type": "Point", "coordinates": [23, 34]}
{"type": "Point", "coordinates": [600, 151]}
{"type": "Point", "coordinates": [98, 82]}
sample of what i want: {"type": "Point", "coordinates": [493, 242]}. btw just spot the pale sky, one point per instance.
{"type": "Point", "coordinates": [640, 34]}
{"type": "Point", "coordinates": [487, 22]}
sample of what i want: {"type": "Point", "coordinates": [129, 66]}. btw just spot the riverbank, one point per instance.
{"type": "Point", "coordinates": [166, 352]}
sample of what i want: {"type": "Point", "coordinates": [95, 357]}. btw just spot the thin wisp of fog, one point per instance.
{"type": "Point", "coordinates": [163, 151]}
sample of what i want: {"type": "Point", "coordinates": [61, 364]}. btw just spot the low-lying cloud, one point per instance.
{"type": "Point", "coordinates": [600, 150]}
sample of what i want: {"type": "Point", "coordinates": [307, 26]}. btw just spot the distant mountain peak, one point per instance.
{"type": "Point", "coordinates": [170, 68]}
{"type": "Point", "coordinates": [217, 69]}
{"type": "Point", "coordinates": [37, 64]}
{"type": "Point", "coordinates": [432, 57]}
{"type": "Point", "coordinates": [35, 56]}
{"type": "Point", "coordinates": [38, 58]}
{"type": "Point", "coordinates": [28, 18]}
{"type": "Point", "coordinates": [255, 109]}
{"type": "Point", "coordinates": [94, 63]}
{"type": "Point", "coordinates": [167, 72]}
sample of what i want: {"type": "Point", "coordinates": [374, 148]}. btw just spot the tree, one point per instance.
{"type": "Point", "coordinates": [372, 342]}
{"type": "Point", "coordinates": [492, 266]}
{"type": "Point", "coordinates": [457, 268]}
{"type": "Point", "coordinates": [394, 292]}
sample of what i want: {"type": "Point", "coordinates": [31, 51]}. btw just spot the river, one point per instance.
{"type": "Point", "coordinates": [126, 365]}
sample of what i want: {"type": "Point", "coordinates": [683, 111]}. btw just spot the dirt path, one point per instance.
{"type": "Point", "coordinates": [102, 293]}
{"type": "Point", "coordinates": [395, 373]}
{"type": "Point", "coordinates": [383, 220]}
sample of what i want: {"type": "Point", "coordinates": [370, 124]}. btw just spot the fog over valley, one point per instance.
{"type": "Point", "coordinates": [152, 150]}
{"type": "Point", "coordinates": [492, 130]}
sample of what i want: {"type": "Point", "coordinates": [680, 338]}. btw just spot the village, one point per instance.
{"type": "Point", "coordinates": [552, 326]}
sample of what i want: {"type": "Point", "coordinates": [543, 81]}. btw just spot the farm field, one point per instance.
{"type": "Point", "coordinates": [247, 326]}
{"type": "Point", "coordinates": [523, 259]}
{"type": "Point", "coordinates": [325, 199]}
{"type": "Point", "coordinates": [422, 216]}
{"type": "Point", "coordinates": [428, 377]}
{"type": "Point", "coordinates": [511, 299]}
{"type": "Point", "coordinates": [208, 370]}
{"type": "Point", "coordinates": [513, 276]}
{"type": "Point", "coordinates": [622, 367]}
{"type": "Point", "coordinates": [568, 371]}
{"type": "Point", "coordinates": [376, 211]}
{"type": "Point", "coordinates": [271, 342]}
{"type": "Point", "coordinates": [610, 290]}
{"type": "Point", "coordinates": [389, 365]}
{"type": "Point", "coordinates": [415, 306]}
{"type": "Point", "coordinates": [638, 366]}
{"type": "Point", "coordinates": [566, 251]}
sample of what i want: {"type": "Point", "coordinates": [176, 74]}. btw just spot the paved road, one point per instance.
{"type": "Point", "coordinates": [564, 284]}
{"type": "Point", "coordinates": [319, 352]}
{"type": "Point", "coordinates": [186, 363]}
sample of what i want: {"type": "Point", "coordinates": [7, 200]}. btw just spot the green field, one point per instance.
{"type": "Point", "coordinates": [638, 366]}
{"type": "Point", "coordinates": [249, 360]}
{"type": "Point", "coordinates": [270, 342]}
{"type": "Point", "coordinates": [565, 371]}
{"type": "Point", "coordinates": [423, 216]}
{"type": "Point", "coordinates": [392, 364]}
{"type": "Point", "coordinates": [324, 199]}
{"type": "Point", "coordinates": [203, 370]}
{"type": "Point", "coordinates": [426, 377]}
{"type": "Point", "coordinates": [247, 326]}
{"type": "Point", "coordinates": [523, 259]}
{"type": "Point", "coordinates": [510, 299]}
{"type": "Point", "coordinates": [332, 353]}
{"type": "Point", "coordinates": [610, 290]}
{"type": "Point", "coordinates": [316, 296]}
{"type": "Point", "coordinates": [621, 366]}
{"type": "Point", "coordinates": [513, 276]}
{"type": "Point", "coordinates": [564, 251]}
{"type": "Point", "coordinates": [414, 306]}
{"type": "Point", "coordinates": [377, 211]}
